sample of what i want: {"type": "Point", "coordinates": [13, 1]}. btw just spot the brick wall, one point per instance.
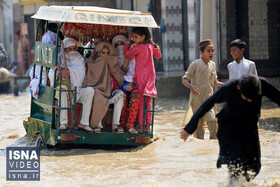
{"type": "Point", "coordinates": [258, 23]}
{"type": "Point", "coordinates": [258, 29]}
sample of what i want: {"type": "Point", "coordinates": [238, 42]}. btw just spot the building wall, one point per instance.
{"type": "Point", "coordinates": [6, 28]}
{"type": "Point", "coordinates": [258, 23]}
{"type": "Point", "coordinates": [124, 4]}
{"type": "Point", "coordinates": [191, 30]}
{"type": "Point", "coordinates": [17, 19]}
{"type": "Point", "coordinates": [101, 3]}
{"type": "Point", "coordinates": [208, 24]}
{"type": "Point", "coordinates": [273, 20]}
{"type": "Point", "coordinates": [172, 15]}
{"type": "Point", "coordinates": [258, 30]}
{"type": "Point", "coordinates": [223, 30]}
{"type": "Point", "coordinates": [2, 31]}
{"type": "Point", "coordinates": [141, 5]}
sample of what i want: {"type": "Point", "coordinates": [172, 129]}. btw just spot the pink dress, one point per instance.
{"type": "Point", "coordinates": [144, 74]}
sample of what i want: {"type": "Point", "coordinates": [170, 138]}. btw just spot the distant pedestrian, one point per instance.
{"type": "Point", "coordinates": [200, 78]}
{"type": "Point", "coordinates": [238, 130]}
{"type": "Point", "coordinates": [240, 66]}
{"type": "Point", "coordinates": [13, 68]}
{"type": "Point", "coordinates": [23, 53]}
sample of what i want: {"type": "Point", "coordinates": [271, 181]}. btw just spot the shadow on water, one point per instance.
{"type": "Point", "coordinates": [86, 149]}
{"type": "Point", "coordinates": [72, 149]}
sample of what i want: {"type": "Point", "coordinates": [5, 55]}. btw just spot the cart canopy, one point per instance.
{"type": "Point", "coordinates": [95, 15]}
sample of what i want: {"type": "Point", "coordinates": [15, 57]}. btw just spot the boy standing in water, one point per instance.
{"type": "Point", "coordinates": [240, 66]}
{"type": "Point", "coordinates": [200, 78]}
{"type": "Point", "coordinates": [238, 130]}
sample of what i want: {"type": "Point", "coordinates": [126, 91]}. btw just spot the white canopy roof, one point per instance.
{"type": "Point", "coordinates": [95, 15]}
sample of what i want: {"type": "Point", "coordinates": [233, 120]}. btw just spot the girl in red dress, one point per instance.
{"type": "Point", "coordinates": [144, 49]}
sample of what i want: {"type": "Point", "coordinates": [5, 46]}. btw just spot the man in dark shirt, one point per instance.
{"type": "Point", "coordinates": [238, 131]}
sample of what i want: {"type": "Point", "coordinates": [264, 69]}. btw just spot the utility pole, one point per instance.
{"type": "Point", "coordinates": [197, 27]}
{"type": "Point", "coordinates": [185, 32]}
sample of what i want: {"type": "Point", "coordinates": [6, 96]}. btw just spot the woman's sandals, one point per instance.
{"type": "Point", "coordinates": [117, 129]}
{"type": "Point", "coordinates": [97, 130]}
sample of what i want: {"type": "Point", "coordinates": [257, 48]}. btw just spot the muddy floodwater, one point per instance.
{"type": "Point", "coordinates": [166, 162]}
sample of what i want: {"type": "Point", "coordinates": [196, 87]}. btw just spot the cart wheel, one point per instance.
{"type": "Point", "coordinates": [40, 142]}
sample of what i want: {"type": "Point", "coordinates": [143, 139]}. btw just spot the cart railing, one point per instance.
{"type": "Point", "coordinates": [44, 106]}
{"type": "Point", "coordinates": [147, 110]}
{"type": "Point", "coordinates": [45, 54]}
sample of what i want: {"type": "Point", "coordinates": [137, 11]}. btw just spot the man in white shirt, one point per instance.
{"type": "Point", "coordinates": [76, 70]}
{"type": "Point", "coordinates": [240, 66]}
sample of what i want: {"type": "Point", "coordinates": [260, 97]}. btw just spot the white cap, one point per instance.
{"type": "Point", "coordinates": [68, 42]}
{"type": "Point", "coordinates": [119, 37]}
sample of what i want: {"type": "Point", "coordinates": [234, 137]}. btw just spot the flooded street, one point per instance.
{"type": "Point", "coordinates": [166, 162]}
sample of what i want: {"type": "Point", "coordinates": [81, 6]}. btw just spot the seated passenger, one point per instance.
{"type": "Point", "coordinates": [76, 71]}
{"type": "Point", "coordinates": [103, 63]}
{"type": "Point", "coordinates": [129, 113]}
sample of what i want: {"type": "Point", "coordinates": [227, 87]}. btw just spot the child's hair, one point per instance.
{"type": "Point", "coordinates": [202, 48]}
{"type": "Point", "coordinates": [144, 31]}
{"type": "Point", "coordinates": [52, 27]}
{"type": "Point", "coordinates": [250, 86]}
{"type": "Point", "coordinates": [238, 43]}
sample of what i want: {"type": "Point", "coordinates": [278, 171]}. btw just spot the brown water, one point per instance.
{"type": "Point", "coordinates": [166, 162]}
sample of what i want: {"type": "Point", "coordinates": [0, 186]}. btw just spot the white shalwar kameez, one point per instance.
{"type": "Point", "coordinates": [76, 66]}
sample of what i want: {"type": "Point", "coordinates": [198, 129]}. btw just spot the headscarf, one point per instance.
{"type": "Point", "coordinates": [98, 65]}
{"type": "Point", "coordinates": [99, 47]}
{"type": "Point", "coordinates": [120, 48]}
{"type": "Point", "coordinates": [117, 38]}
{"type": "Point", "coordinates": [112, 50]}
{"type": "Point", "coordinates": [98, 77]}
{"type": "Point", "coordinates": [75, 64]}
{"type": "Point", "coordinates": [68, 42]}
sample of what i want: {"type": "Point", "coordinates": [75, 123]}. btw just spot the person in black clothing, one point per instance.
{"type": "Point", "coordinates": [238, 130]}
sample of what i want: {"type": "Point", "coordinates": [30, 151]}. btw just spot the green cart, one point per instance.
{"type": "Point", "coordinates": [43, 122]}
